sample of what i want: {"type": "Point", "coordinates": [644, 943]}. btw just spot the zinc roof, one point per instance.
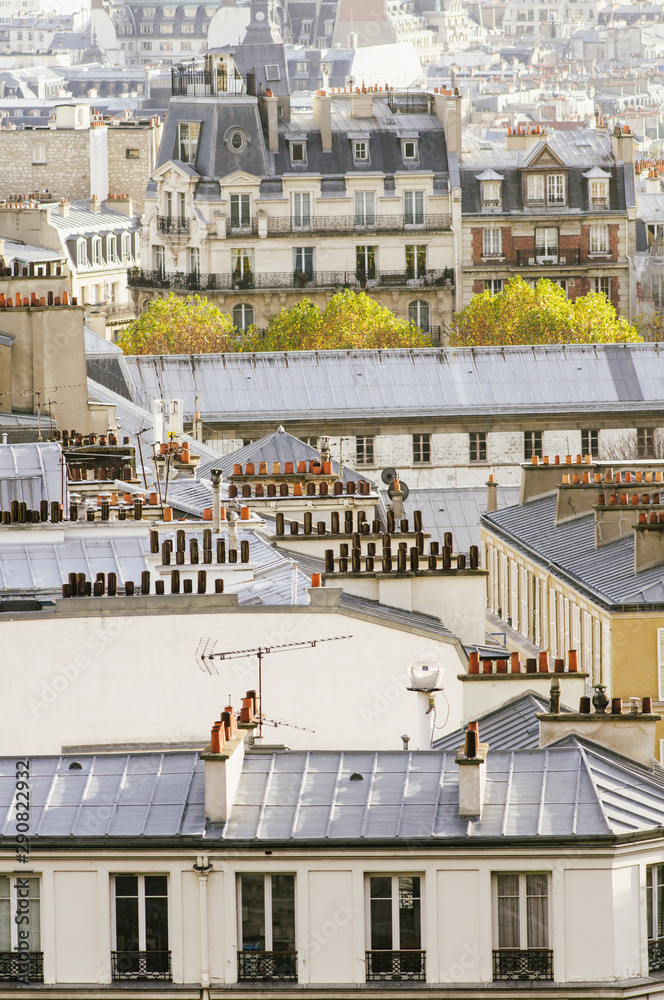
{"type": "Point", "coordinates": [513, 726]}
{"type": "Point", "coordinates": [30, 473]}
{"type": "Point", "coordinates": [457, 509]}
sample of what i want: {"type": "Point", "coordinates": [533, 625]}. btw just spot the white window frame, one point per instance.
{"type": "Point", "coordinates": [299, 146]}
{"type": "Point", "coordinates": [419, 313]}
{"type": "Point", "coordinates": [556, 189]}
{"type": "Point", "coordinates": [364, 203]}
{"type": "Point", "coordinates": [523, 909]}
{"type": "Point", "coordinates": [126, 247]}
{"type": "Point", "coordinates": [396, 931]}
{"type": "Point", "coordinates": [247, 310]}
{"type": "Point", "coordinates": [38, 153]}
{"type": "Point", "coordinates": [189, 134]}
{"type": "Point", "coordinates": [365, 449]}
{"type": "Point", "coordinates": [300, 257]}
{"type": "Point", "coordinates": [492, 242]}
{"type": "Point", "coordinates": [194, 260]}
{"type": "Point", "coordinates": [535, 188]}
{"type": "Point", "coordinates": [111, 249]}
{"type": "Point", "coordinates": [361, 151]}
{"type": "Point", "coordinates": [97, 254]}
{"type": "Point", "coordinates": [606, 290]}
{"type": "Point", "coordinates": [241, 203]}
{"type": "Point", "coordinates": [301, 214]}
{"type": "Point", "coordinates": [413, 208]}
{"type": "Point", "coordinates": [410, 150]}
{"type": "Point", "coordinates": [16, 887]}
{"type": "Point", "coordinates": [141, 907]}
{"type": "Point", "coordinates": [82, 253]}
{"type": "Point", "coordinates": [598, 192]}
{"type": "Point", "coordinates": [267, 899]}
{"type": "Point", "coordinates": [599, 240]}
{"type": "Point", "coordinates": [492, 194]}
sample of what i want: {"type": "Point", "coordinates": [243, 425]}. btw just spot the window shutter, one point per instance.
{"type": "Point", "coordinates": [495, 592]}
{"type": "Point", "coordinates": [544, 618]}
{"type": "Point", "coordinates": [597, 653]}
{"type": "Point", "coordinates": [514, 601]}
{"type": "Point", "coordinates": [660, 664]}
{"type": "Point", "coordinates": [553, 632]}
{"type": "Point", "coordinates": [566, 635]}
{"type": "Point", "coordinates": [576, 629]}
{"type": "Point", "coordinates": [538, 634]}
{"type": "Point", "coordinates": [587, 660]}
{"type": "Point", "coordinates": [606, 656]}
{"type": "Point", "coordinates": [523, 611]}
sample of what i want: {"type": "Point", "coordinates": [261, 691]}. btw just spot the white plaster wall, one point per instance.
{"type": "Point", "coordinates": [588, 942]}
{"type": "Point", "coordinates": [480, 696]}
{"type": "Point", "coordinates": [335, 918]}
{"type": "Point", "coordinates": [460, 942]}
{"type": "Point", "coordinates": [627, 926]}
{"type": "Point", "coordinates": [76, 918]}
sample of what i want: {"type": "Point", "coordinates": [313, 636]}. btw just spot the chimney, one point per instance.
{"type": "Point", "coordinates": [361, 104]}
{"type": "Point", "coordinates": [397, 497]}
{"type": "Point", "coordinates": [324, 448]}
{"type": "Point", "coordinates": [622, 144]}
{"type": "Point", "coordinates": [447, 106]}
{"type": "Point", "coordinates": [223, 760]}
{"type": "Point", "coordinates": [471, 761]}
{"type": "Point", "coordinates": [216, 477]}
{"type": "Point", "coordinates": [323, 118]}
{"type": "Point", "coordinates": [95, 203]}
{"type": "Point", "coordinates": [616, 516]}
{"type": "Point", "coordinates": [631, 734]}
{"type": "Point", "coordinates": [648, 542]}
{"type": "Point", "coordinates": [269, 107]}
{"type": "Point", "coordinates": [64, 207]}
{"type": "Point", "coordinates": [524, 136]}
{"type": "Point", "coordinates": [491, 495]}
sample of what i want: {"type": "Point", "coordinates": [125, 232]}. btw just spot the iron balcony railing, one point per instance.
{"type": "Point", "coordinates": [180, 280]}
{"type": "Point", "coordinates": [172, 224]}
{"type": "Point", "coordinates": [358, 224]}
{"type": "Point", "coordinates": [189, 82]}
{"type": "Point", "coordinates": [141, 965]}
{"type": "Point", "coordinates": [656, 955]}
{"type": "Point", "coordinates": [396, 965]}
{"type": "Point", "coordinates": [267, 965]}
{"type": "Point", "coordinates": [523, 963]}
{"type": "Point", "coordinates": [21, 967]}
{"type": "Point", "coordinates": [543, 256]}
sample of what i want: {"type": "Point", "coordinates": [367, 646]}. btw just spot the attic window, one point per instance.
{"type": "Point", "coordinates": [409, 149]}
{"type": "Point", "coordinates": [361, 151]}
{"type": "Point", "coordinates": [237, 140]}
{"type": "Point", "coordinates": [272, 73]}
{"type": "Point", "coordinates": [298, 151]}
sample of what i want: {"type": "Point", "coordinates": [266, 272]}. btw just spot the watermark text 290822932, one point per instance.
{"type": "Point", "coordinates": [22, 811]}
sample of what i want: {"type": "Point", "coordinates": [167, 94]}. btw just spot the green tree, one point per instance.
{"type": "Point", "coordinates": [521, 314]}
{"type": "Point", "coordinates": [181, 325]}
{"type": "Point", "coordinates": [351, 321]}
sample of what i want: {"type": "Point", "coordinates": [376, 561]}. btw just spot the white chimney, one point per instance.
{"type": "Point", "coordinates": [471, 760]}
{"type": "Point", "coordinates": [215, 476]}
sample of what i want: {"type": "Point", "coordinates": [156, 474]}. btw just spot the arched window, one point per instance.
{"type": "Point", "coordinates": [419, 313]}
{"type": "Point", "coordinates": [243, 316]}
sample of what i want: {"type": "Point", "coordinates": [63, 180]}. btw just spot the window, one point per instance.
{"type": "Point", "coordinates": [272, 73]}
{"type": "Point", "coordinates": [416, 260]}
{"type": "Point", "coordinates": [521, 926]}
{"type": "Point", "coordinates": [146, 29]}
{"type": "Point", "coordinates": [147, 47]}
{"type": "Point", "coordinates": [645, 442]}
{"type": "Point", "coordinates": [134, 154]}
{"type": "Point", "coordinates": [395, 928]}
{"type": "Point", "coordinates": [535, 189]}
{"type": "Point", "coordinates": [413, 208]}
{"type": "Point", "coordinates": [532, 444]}
{"type": "Point", "coordinates": [364, 450]}
{"type": "Point", "coordinates": [590, 443]}
{"type": "Point", "coordinates": [187, 29]}
{"type": "Point", "coordinates": [546, 245]}
{"type": "Point", "coordinates": [410, 149]}
{"type": "Point", "coordinates": [243, 316]}
{"type": "Point", "coordinates": [555, 189]}
{"type": "Point", "coordinates": [598, 193]}
{"type": "Point", "coordinates": [166, 29]}
{"type": "Point", "coordinates": [301, 211]}
{"type": "Point", "coordinates": [194, 260]}
{"type": "Point", "coordinates": [188, 133]}
{"type": "Point", "coordinates": [185, 46]}
{"type": "Point", "coordinates": [602, 286]}
{"type": "Point", "coordinates": [38, 152]}
{"type": "Point", "coordinates": [493, 285]}
{"type": "Point", "coordinates": [81, 253]}
{"type": "Point", "coordinates": [166, 47]}
{"type": "Point", "coordinates": [303, 263]}
{"type": "Point", "coordinates": [492, 242]}
{"type": "Point", "coordinates": [477, 446]}
{"type": "Point", "coordinates": [159, 254]}
{"type": "Point", "coordinates": [141, 928]}
{"type": "Point", "coordinates": [126, 247]}
{"type": "Point", "coordinates": [421, 449]}
{"type": "Point", "coordinates": [240, 211]}
{"type": "Point", "coordinates": [491, 194]}
{"type": "Point", "coordinates": [361, 151]}
{"type": "Point", "coordinates": [599, 239]}
{"type": "Point", "coordinates": [655, 904]}
{"type": "Point", "coordinates": [419, 313]}
{"type": "Point", "coordinates": [266, 927]}
{"type": "Point", "coordinates": [302, 67]}
{"type": "Point", "coordinates": [298, 151]}
{"type": "Point", "coordinates": [111, 250]}
{"type": "Point", "coordinates": [19, 895]}
{"type": "Point", "coordinates": [182, 204]}
{"type": "Point", "coordinates": [365, 208]}
{"type": "Point", "coordinates": [242, 263]}
{"type": "Point", "coordinates": [365, 263]}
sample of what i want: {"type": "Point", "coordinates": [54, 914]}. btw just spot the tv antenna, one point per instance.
{"type": "Point", "coordinates": [206, 653]}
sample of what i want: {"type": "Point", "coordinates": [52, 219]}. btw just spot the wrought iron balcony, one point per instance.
{"type": "Point", "coordinates": [180, 280]}
{"type": "Point", "coordinates": [172, 224]}
{"type": "Point", "coordinates": [365, 224]}
{"type": "Point", "coordinates": [267, 965]}
{"type": "Point", "coordinates": [547, 256]}
{"type": "Point", "coordinates": [525, 963]}
{"type": "Point", "coordinates": [656, 955]}
{"type": "Point", "coordinates": [21, 967]}
{"type": "Point", "coordinates": [141, 965]}
{"type": "Point", "coordinates": [189, 82]}
{"type": "Point", "coordinates": [396, 965]}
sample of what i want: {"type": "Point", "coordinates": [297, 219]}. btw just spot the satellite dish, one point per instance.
{"type": "Point", "coordinates": [403, 489]}
{"type": "Point", "coordinates": [388, 476]}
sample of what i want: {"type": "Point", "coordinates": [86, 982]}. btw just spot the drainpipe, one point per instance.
{"type": "Point", "coordinates": [215, 476]}
{"type": "Point", "coordinates": [203, 869]}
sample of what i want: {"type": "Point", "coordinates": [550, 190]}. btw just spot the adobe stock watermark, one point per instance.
{"type": "Point", "coordinates": [328, 930]}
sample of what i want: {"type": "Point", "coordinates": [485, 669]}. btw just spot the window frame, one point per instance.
{"type": "Point", "coordinates": [361, 151]}
{"type": "Point", "coordinates": [267, 910]}
{"type": "Point", "coordinates": [365, 449]}
{"type": "Point", "coordinates": [246, 309]}
{"type": "Point", "coordinates": [304, 256]}
{"type": "Point", "coordinates": [126, 247]}
{"type": "Point", "coordinates": [599, 240]}
{"type": "Point", "coordinates": [416, 260]}
{"type": "Point", "coordinates": [301, 145]}
{"type": "Point", "coordinates": [421, 446]}
{"type": "Point", "coordinates": [82, 252]}
{"type": "Point", "coordinates": [410, 157]}
{"type": "Point", "coordinates": [590, 442]}
{"type": "Point", "coordinates": [417, 309]}
{"type": "Point", "coordinates": [363, 215]}
{"type": "Point", "coordinates": [395, 889]}
{"type": "Point", "coordinates": [366, 261]}
{"type": "Point", "coordinates": [97, 252]}
{"type": "Point", "coordinates": [301, 210]}
{"type": "Point", "coordinates": [413, 208]}
{"type": "Point", "coordinates": [532, 445]}
{"type": "Point", "coordinates": [187, 141]}
{"type": "Point", "coordinates": [492, 241]}
{"type": "Point", "coordinates": [38, 148]}
{"type": "Point", "coordinates": [477, 447]}
{"type": "Point", "coordinates": [112, 249]}
{"type": "Point", "coordinates": [488, 202]}
{"type": "Point", "coordinates": [14, 879]}
{"type": "Point", "coordinates": [524, 942]}
{"type": "Point", "coordinates": [239, 205]}
{"type": "Point", "coordinates": [142, 921]}
{"type": "Point", "coordinates": [645, 442]}
{"type": "Point", "coordinates": [598, 192]}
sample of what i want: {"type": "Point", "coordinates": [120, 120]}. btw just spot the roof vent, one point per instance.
{"type": "Point", "coordinates": [356, 776]}
{"type": "Point", "coordinates": [75, 766]}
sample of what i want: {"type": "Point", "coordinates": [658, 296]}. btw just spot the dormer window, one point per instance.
{"type": "Point", "coordinates": [360, 151]}
{"type": "Point", "coordinates": [555, 189]}
{"type": "Point", "coordinates": [598, 188]}
{"type": "Point", "coordinates": [491, 190]}
{"type": "Point", "coordinates": [298, 153]}
{"type": "Point", "coordinates": [409, 150]}
{"type": "Point", "coordinates": [546, 189]}
{"type": "Point", "coordinates": [81, 253]}
{"type": "Point", "coordinates": [188, 133]}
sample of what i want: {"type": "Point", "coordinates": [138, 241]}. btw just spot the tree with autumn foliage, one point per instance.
{"type": "Point", "coordinates": [351, 322]}
{"type": "Point", "coordinates": [521, 314]}
{"type": "Point", "coordinates": [181, 325]}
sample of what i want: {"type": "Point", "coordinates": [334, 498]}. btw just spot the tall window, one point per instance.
{"type": "Point", "coordinates": [96, 251]}
{"type": "Point", "coordinates": [266, 927]}
{"type": "Point", "coordinates": [364, 450]}
{"type": "Point", "coordinates": [413, 208]}
{"type": "Point", "coordinates": [243, 316]}
{"type": "Point", "coordinates": [365, 263]}
{"type": "Point", "coordinates": [141, 927]}
{"type": "Point", "coordinates": [532, 444]}
{"type": "Point", "coordinates": [301, 210]}
{"type": "Point", "coordinates": [395, 927]}
{"type": "Point", "coordinates": [416, 260]}
{"type": "Point", "coordinates": [169, 204]}
{"type": "Point", "coordinates": [18, 896]}
{"type": "Point", "coordinates": [546, 243]}
{"type": "Point", "coordinates": [599, 193]}
{"type": "Point", "coordinates": [182, 204]}
{"type": "Point", "coordinates": [492, 242]}
{"type": "Point", "coordinates": [491, 194]}
{"type": "Point", "coordinates": [521, 933]}
{"type": "Point", "coordinates": [493, 285]}
{"type": "Point", "coordinates": [365, 208]}
{"type": "Point", "coordinates": [303, 262]}
{"type": "Point", "coordinates": [188, 134]}
{"type": "Point", "coordinates": [590, 443]}
{"type": "Point", "coordinates": [126, 247]}
{"type": "Point", "coordinates": [194, 260]}
{"type": "Point", "coordinates": [421, 449]}
{"type": "Point", "coordinates": [645, 442]}
{"type": "Point", "coordinates": [111, 249]}
{"type": "Point", "coordinates": [477, 446]}
{"type": "Point", "coordinates": [599, 239]}
{"type": "Point", "coordinates": [81, 253]}
{"type": "Point", "coordinates": [39, 152]}
{"type": "Point", "coordinates": [535, 189]}
{"type": "Point", "coordinates": [655, 902]}
{"type": "Point", "coordinates": [419, 313]}
{"type": "Point", "coordinates": [603, 286]}
{"type": "Point", "coordinates": [240, 211]}
{"type": "Point", "coordinates": [555, 189]}
{"type": "Point", "coordinates": [242, 265]}
{"type": "Point", "coordinates": [159, 254]}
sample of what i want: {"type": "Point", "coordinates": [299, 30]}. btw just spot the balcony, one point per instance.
{"type": "Point", "coordinates": [356, 224]}
{"type": "Point", "coordinates": [188, 82]}
{"type": "Point", "coordinates": [281, 965]}
{"type": "Point", "coordinates": [21, 967]}
{"type": "Point", "coordinates": [179, 280]}
{"type": "Point", "coordinates": [172, 225]}
{"type": "Point", "coordinates": [141, 965]}
{"type": "Point", "coordinates": [526, 963]}
{"type": "Point", "coordinates": [395, 966]}
{"type": "Point", "coordinates": [656, 955]}
{"type": "Point", "coordinates": [548, 256]}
